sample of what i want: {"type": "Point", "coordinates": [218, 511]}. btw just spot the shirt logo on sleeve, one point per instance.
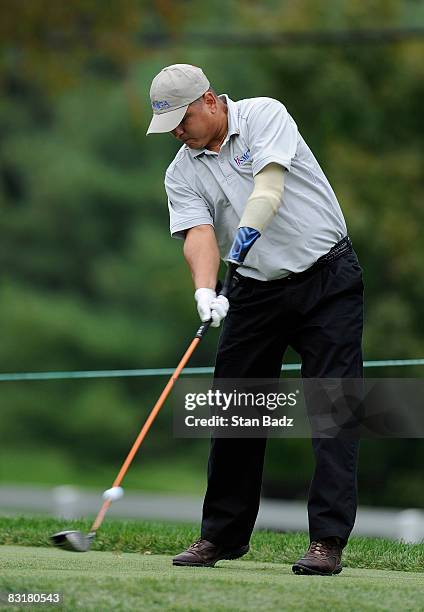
{"type": "Point", "coordinates": [242, 159]}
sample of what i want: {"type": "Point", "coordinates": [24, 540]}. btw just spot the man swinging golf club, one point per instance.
{"type": "Point", "coordinates": [245, 172]}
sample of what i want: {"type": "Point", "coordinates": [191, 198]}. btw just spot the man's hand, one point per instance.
{"type": "Point", "coordinates": [211, 306]}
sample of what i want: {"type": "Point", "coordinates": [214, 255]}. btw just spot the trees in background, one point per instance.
{"type": "Point", "coordinates": [89, 276]}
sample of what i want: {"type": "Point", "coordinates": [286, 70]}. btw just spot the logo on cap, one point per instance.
{"type": "Point", "coordinates": [159, 105]}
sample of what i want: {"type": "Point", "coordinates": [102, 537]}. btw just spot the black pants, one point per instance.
{"type": "Point", "coordinates": [320, 314]}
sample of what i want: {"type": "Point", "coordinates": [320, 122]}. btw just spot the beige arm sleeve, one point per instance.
{"type": "Point", "coordinates": [265, 198]}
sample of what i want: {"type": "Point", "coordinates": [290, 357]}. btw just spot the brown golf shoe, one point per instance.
{"type": "Point", "coordinates": [205, 554]}
{"type": "Point", "coordinates": [323, 558]}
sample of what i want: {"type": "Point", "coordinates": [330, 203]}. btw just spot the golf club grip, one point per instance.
{"type": "Point", "coordinates": [220, 289]}
{"type": "Point", "coordinates": [226, 287]}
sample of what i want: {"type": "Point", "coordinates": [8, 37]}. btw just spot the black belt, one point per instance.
{"type": "Point", "coordinates": [338, 250]}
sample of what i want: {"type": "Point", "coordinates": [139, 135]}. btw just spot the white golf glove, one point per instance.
{"type": "Point", "coordinates": [209, 306]}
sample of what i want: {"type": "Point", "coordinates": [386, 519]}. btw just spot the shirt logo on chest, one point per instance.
{"type": "Point", "coordinates": [242, 159]}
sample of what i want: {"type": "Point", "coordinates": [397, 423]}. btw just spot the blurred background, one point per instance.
{"type": "Point", "coordinates": [90, 278]}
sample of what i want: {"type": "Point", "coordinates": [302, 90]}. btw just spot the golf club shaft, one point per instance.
{"type": "Point", "coordinates": [199, 335]}
{"type": "Point", "coordinates": [146, 428]}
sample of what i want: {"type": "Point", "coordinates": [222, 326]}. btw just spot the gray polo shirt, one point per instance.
{"type": "Point", "coordinates": [205, 187]}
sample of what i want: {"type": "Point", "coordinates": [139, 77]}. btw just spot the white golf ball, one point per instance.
{"type": "Point", "coordinates": [113, 494]}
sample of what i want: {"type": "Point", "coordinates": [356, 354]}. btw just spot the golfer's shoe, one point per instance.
{"type": "Point", "coordinates": [323, 558]}
{"type": "Point", "coordinates": [205, 554]}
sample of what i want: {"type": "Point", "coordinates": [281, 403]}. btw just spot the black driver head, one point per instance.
{"type": "Point", "coordinates": [72, 540]}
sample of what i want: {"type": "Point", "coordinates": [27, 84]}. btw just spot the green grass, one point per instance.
{"type": "Point", "coordinates": [51, 467]}
{"type": "Point", "coordinates": [168, 538]}
{"type": "Point", "coordinates": [121, 581]}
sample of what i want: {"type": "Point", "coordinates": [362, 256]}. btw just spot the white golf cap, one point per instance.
{"type": "Point", "coordinates": [172, 90]}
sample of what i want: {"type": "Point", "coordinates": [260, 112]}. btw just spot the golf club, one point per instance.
{"type": "Point", "coordinates": [75, 540]}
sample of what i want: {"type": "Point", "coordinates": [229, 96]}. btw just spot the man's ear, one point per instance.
{"type": "Point", "coordinates": [210, 101]}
